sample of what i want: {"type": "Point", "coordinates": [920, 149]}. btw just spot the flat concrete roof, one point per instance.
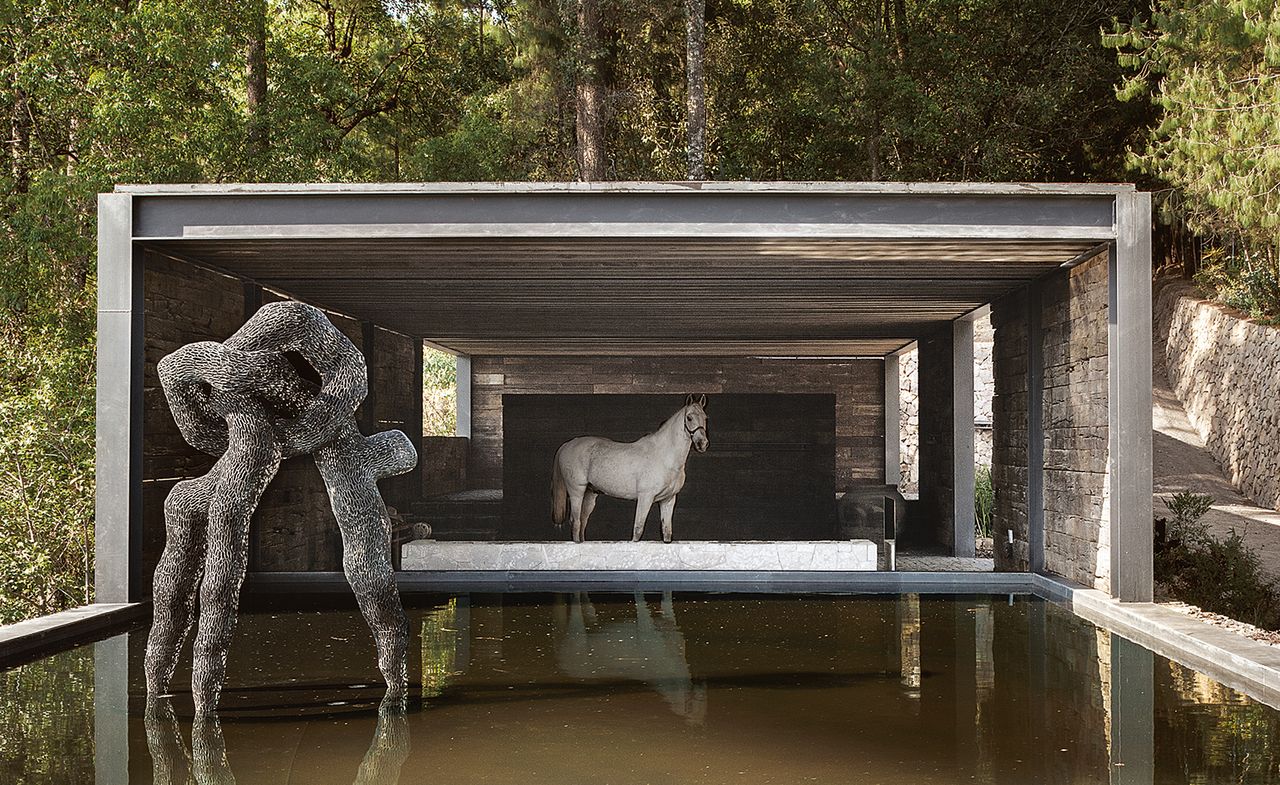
{"type": "Point", "coordinates": [636, 268]}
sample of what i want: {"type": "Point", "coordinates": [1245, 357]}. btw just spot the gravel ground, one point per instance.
{"type": "Point", "coordinates": [1248, 630]}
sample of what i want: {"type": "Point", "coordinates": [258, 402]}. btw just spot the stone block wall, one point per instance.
{"type": "Point", "coordinates": [937, 440]}
{"type": "Point", "coordinates": [1225, 369]}
{"type": "Point", "coordinates": [857, 384]}
{"type": "Point", "coordinates": [293, 528]}
{"type": "Point", "coordinates": [1073, 335]}
{"type": "Point", "coordinates": [909, 406]}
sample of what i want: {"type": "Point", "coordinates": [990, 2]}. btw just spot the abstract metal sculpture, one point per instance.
{"type": "Point", "coordinates": [244, 401]}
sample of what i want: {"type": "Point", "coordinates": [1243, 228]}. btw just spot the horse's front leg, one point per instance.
{"type": "Point", "coordinates": [665, 508]}
{"type": "Point", "coordinates": [643, 504]}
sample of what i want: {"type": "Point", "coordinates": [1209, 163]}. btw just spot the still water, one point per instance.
{"type": "Point", "coordinates": [617, 689]}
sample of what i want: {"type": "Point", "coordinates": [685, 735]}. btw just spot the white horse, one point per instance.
{"type": "Point", "coordinates": [650, 469]}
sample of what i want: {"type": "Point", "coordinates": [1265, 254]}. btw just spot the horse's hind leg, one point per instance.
{"type": "Point", "coordinates": [665, 508]}
{"type": "Point", "coordinates": [575, 512]}
{"type": "Point", "coordinates": [642, 514]}
{"type": "Point", "coordinates": [588, 505]}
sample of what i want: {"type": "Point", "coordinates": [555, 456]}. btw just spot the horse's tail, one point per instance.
{"type": "Point", "coordinates": [559, 495]}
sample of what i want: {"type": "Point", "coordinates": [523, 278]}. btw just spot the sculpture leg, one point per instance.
{"type": "Point", "coordinates": [186, 514]}
{"type": "Point", "coordinates": [366, 560]}
{"type": "Point", "coordinates": [575, 512]}
{"type": "Point", "coordinates": [170, 761]}
{"type": "Point", "coordinates": [245, 475]}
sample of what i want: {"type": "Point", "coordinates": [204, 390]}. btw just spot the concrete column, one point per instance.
{"type": "Point", "coordinates": [892, 422]}
{"type": "Point", "coordinates": [946, 435]}
{"type": "Point", "coordinates": [121, 336]}
{"type": "Point", "coordinates": [1035, 433]}
{"type": "Point", "coordinates": [1132, 713]}
{"type": "Point", "coordinates": [1129, 398]}
{"type": "Point", "coordinates": [462, 365]}
{"type": "Point", "coordinates": [111, 710]}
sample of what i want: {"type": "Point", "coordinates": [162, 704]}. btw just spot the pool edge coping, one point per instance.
{"type": "Point", "coordinates": [43, 635]}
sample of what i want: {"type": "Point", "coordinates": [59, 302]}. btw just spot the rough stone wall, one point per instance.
{"type": "Point", "coordinates": [1076, 455]}
{"type": "Point", "coordinates": [293, 528]}
{"type": "Point", "coordinates": [1009, 431]}
{"type": "Point", "coordinates": [909, 406]}
{"type": "Point", "coordinates": [1226, 371]}
{"type": "Point", "coordinates": [1074, 419]}
{"type": "Point", "coordinates": [857, 384]}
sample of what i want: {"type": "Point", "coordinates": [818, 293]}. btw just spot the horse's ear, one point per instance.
{"type": "Point", "coordinates": [702, 400]}
{"type": "Point", "coordinates": [688, 401]}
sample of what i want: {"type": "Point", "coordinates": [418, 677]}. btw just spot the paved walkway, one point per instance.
{"type": "Point", "coordinates": [1181, 463]}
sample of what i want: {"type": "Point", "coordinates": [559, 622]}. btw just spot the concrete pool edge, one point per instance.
{"type": "Point", "coordinates": [1243, 664]}
{"type": "Point", "coordinates": [36, 637]}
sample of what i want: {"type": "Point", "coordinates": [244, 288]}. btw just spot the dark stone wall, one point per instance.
{"type": "Point", "coordinates": [293, 529]}
{"type": "Point", "coordinates": [1075, 420]}
{"type": "Point", "coordinates": [935, 521]}
{"type": "Point", "coordinates": [767, 475]}
{"type": "Point", "coordinates": [858, 387]}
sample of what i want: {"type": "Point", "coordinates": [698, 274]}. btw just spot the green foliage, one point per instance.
{"type": "Point", "coordinates": [98, 93]}
{"type": "Point", "coordinates": [1213, 71]}
{"type": "Point", "coordinates": [439, 393]}
{"type": "Point", "coordinates": [1245, 278]}
{"type": "Point", "coordinates": [1219, 575]}
{"type": "Point", "coordinates": [1188, 507]}
{"type": "Point", "coordinates": [984, 500]}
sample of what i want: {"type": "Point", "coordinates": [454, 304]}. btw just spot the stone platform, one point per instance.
{"type": "Point", "coordinates": [834, 555]}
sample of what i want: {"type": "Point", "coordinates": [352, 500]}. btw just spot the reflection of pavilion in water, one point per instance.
{"type": "Point", "coordinates": [996, 691]}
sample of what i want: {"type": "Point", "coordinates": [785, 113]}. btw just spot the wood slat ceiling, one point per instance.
{"type": "Point", "coordinates": [699, 296]}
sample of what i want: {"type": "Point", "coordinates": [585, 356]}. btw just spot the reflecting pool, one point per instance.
{"type": "Point", "coordinates": [656, 688]}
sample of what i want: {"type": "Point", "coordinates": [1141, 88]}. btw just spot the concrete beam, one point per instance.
{"type": "Point", "coordinates": [1129, 399]}
{"type": "Point", "coordinates": [118, 500]}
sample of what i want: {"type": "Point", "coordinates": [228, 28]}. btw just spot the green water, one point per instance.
{"type": "Point", "coordinates": [695, 688]}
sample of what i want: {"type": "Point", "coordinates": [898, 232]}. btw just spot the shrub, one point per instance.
{"type": "Point", "coordinates": [1219, 575]}
{"type": "Point", "coordinates": [984, 499]}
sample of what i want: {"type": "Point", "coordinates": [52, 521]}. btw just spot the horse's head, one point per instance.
{"type": "Point", "coordinates": [695, 422]}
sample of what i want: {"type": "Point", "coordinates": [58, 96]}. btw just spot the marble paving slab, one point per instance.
{"type": "Point", "coordinates": [835, 555]}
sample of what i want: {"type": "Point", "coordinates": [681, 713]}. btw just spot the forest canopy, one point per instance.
{"type": "Point", "coordinates": [100, 92]}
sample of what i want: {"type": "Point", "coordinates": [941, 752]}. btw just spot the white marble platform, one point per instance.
{"type": "Point", "coordinates": [833, 555]}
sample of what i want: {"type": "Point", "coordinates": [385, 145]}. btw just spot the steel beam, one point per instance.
{"type": "Point", "coordinates": [118, 501]}
{"type": "Point", "coordinates": [1129, 398]}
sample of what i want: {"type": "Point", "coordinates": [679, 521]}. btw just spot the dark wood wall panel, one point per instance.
{"type": "Point", "coordinates": [857, 384]}
{"type": "Point", "coordinates": [769, 473]}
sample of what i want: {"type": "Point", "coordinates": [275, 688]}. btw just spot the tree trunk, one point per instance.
{"type": "Point", "coordinates": [20, 141]}
{"type": "Point", "coordinates": [589, 94]}
{"type": "Point", "coordinates": [695, 37]}
{"type": "Point", "coordinates": [259, 131]}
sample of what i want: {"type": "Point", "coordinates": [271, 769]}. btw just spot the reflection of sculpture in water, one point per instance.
{"type": "Point", "coordinates": [206, 763]}
{"type": "Point", "coordinates": [243, 401]}
{"type": "Point", "coordinates": [650, 649]}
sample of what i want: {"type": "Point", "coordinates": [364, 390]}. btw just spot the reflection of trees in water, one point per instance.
{"type": "Point", "coordinates": [1214, 730]}
{"type": "Point", "coordinates": [206, 762]}
{"type": "Point", "coordinates": [648, 649]}
{"type": "Point", "coordinates": [439, 648]}
{"type": "Point", "coordinates": [46, 717]}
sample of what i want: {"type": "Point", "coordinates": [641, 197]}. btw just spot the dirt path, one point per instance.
{"type": "Point", "coordinates": [1181, 463]}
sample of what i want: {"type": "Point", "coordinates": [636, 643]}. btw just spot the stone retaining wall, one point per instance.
{"type": "Point", "coordinates": [1225, 369]}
